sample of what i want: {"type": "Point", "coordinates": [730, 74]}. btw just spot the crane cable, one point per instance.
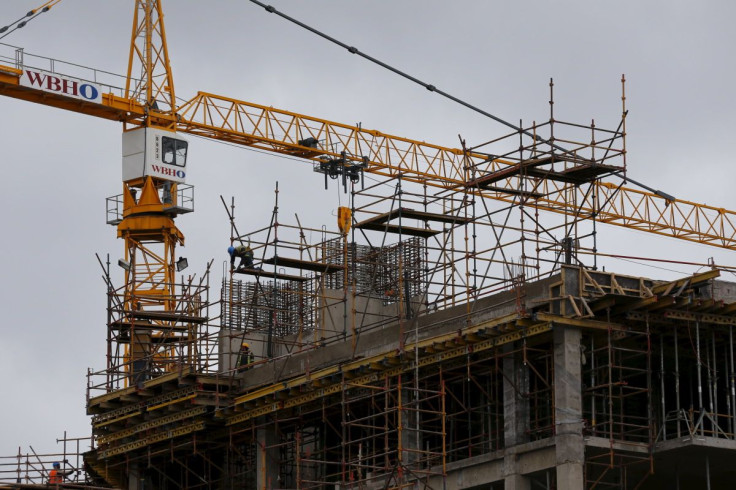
{"type": "Point", "coordinates": [20, 23]}
{"type": "Point", "coordinates": [352, 49]}
{"type": "Point", "coordinates": [428, 86]}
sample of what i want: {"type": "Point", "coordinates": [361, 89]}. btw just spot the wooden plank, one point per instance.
{"type": "Point", "coordinates": [694, 279]}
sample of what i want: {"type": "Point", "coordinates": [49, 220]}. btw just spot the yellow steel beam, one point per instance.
{"type": "Point", "coordinates": [578, 322]}
{"type": "Point", "coordinates": [168, 419]}
{"type": "Point", "coordinates": [671, 287]}
{"type": "Point", "coordinates": [107, 417]}
{"type": "Point", "coordinates": [119, 419]}
{"type": "Point", "coordinates": [158, 437]}
{"type": "Point", "coordinates": [279, 131]}
{"type": "Point", "coordinates": [171, 402]}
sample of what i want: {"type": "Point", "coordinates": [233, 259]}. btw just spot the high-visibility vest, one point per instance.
{"type": "Point", "coordinates": [55, 477]}
{"type": "Point", "coordinates": [242, 250]}
{"type": "Point", "coordinates": [245, 358]}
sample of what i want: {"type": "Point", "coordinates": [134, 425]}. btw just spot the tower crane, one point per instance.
{"type": "Point", "coordinates": [155, 165]}
{"type": "Point", "coordinates": [150, 102]}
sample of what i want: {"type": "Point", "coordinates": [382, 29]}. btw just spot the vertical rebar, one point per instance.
{"type": "Point", "coordinates": [231, 284]}
{"type": "Point", "coordinates": [401, 294]}
{"type": "Point", "coordinates": [345, 287]}
{"type": "Point", "coordinates": [425, 274]}
{"type": "Point", "coordinates": [273, 317]}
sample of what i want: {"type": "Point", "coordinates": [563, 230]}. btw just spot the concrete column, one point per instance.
{"type": "Point", "coordinates": [409, 433]}
{"type": "Point", "coordinates": [515, 415]}
{"type": "Point", "coordinates": [516, 482]}
{"type": "Point", "coordinates": [267, 459]}
{"type": "Point", "coordinates": [515, 402]}
{"type": "Point", "coordinates": [569, 444]}
{"type": "Point", "coordinates": [135, 481]}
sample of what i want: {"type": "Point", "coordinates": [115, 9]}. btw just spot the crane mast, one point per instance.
{"type": "Point", "coordinates": [149, 54]}
{"type": "Point", "coordinates": [154, 168]}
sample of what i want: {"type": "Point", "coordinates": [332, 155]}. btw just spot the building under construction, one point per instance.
{"type": "Point", "coordinates": [437, 340]}
{"type": "Point", "coordinates": [453, 330]}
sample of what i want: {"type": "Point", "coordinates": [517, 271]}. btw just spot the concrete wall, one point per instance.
{"type": "Point", "coordinates": [229, 342]}
{"type": "Point", "coordinates": [340, 313]}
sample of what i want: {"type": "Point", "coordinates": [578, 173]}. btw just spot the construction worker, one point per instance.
{"type": "Point", "coordinates": [56, 475]}
{"type": "Point", "coordinates": [245, 253]}
{"type": "Point", "coordinates": [245, 359]}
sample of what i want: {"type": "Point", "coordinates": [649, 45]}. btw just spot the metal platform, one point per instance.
{"type": "Point", "coordinates": [396, 229]}
{"type": "Point", "coordinates": [270, 274]}
{"type": "Point", "coordinates": [381, 222]}
{"type": "Point", "coordinates": [320, 267]}
{"type": "Point", "coordinates": [580, 171]}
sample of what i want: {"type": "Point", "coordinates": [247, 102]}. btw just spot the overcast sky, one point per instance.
{"type": "Point", "coordinates": [59, 166]}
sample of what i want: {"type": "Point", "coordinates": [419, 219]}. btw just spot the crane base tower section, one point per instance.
{"type": "Point", "coordinates": [585, 379]}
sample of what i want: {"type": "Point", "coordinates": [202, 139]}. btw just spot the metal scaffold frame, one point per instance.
{"type": "Point", "coordinates": [32, 468]}
{"type": "Point", "coordinates": [163, 341]}
{"type": "Point", "coordinates": [436, 327]}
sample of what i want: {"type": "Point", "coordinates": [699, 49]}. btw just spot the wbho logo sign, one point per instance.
{"type": "Point", "coordinates": [61, 85]}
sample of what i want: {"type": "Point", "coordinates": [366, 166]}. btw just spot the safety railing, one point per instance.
{"type": "Point", "coordinates": [182, 203]}
{"type": "Point", "coordinates": [18, 58]}
{"type": "Point", "coordinates": [32, 468]}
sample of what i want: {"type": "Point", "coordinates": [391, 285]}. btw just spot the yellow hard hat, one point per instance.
{"type": "Point", "coordinates": [245, 344]}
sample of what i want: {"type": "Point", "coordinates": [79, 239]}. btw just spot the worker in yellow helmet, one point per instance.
{"type": "Point", "coordinates": [244, 253]}
{"type": "Point", "coordinates": [245, 358]}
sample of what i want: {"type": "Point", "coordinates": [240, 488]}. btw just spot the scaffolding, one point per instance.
{"type": "Point", "coordinates": [32, 468]}
{"type": "Point", "coordinates": [147, 343]}
{"type": "Point", "coordinates": [443, 331]}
